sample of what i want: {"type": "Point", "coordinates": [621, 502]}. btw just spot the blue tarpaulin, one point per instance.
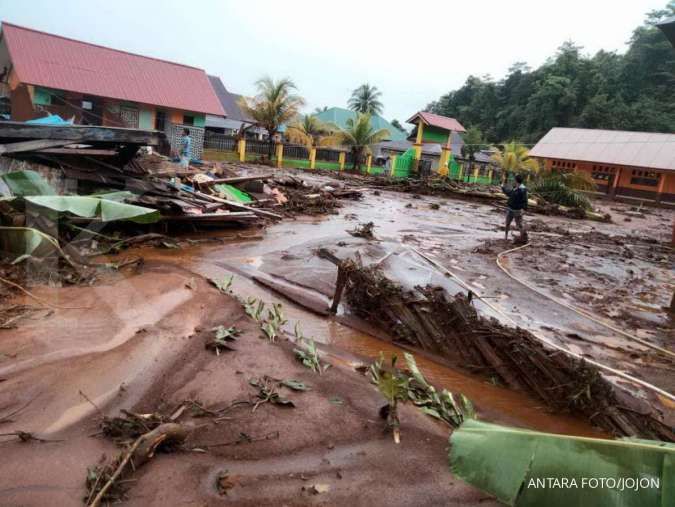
{"type": "Point", "coordinates": [52, 119]}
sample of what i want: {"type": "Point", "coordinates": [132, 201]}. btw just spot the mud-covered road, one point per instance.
{"type": "Point", "coordinates": [137, 342]}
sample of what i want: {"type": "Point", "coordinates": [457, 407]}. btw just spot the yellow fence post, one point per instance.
{"type": "Point", "coordinates": [241, 148]}
{"type": "Point", "coordinates": [369, 163]}
{"type": "Point", "coordinates": [460, 174]}
{"type": "Point", "coordinates": [475, 173]}
{"type": "Point", "coordinates": [490, 175]}
{"type": "Point", "coordinates": [443, 165]}
{"type": "Point", "coordinates": [393, 165]}
{"type": "Point", "coordinates": [279, 154]}
{"type": "Point", "coordinates": [418, 144]}
{"type": "Point", "coordinates": [312, 157]}
{"type": "Point", "coordinates": [341, 160]}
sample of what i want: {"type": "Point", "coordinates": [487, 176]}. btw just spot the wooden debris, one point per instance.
{"type": "Point", "coordinates": [452, 328]}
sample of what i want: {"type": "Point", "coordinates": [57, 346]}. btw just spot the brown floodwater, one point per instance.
{"type": "Point", "coordinates": [353, 346]}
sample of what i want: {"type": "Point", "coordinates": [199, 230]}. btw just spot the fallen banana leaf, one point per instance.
{"type": "Point", "coordinates": [23, 183]}
{"type": "Point", "coordinates": [26, 241]}
{"type": "Point", "coordinates": [91, 207]}
{"type": "Point", "coordinates": [529, 468]}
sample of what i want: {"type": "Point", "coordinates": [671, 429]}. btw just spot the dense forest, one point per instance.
{"type": "Point", "coordinates": [631, 91]}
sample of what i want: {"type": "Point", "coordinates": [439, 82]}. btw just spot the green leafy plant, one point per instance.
{"type": "Point", "coordinates": [223, 335]}
{"type": "Point", "coordinates": [393, 385]}
{"type": "Point", "coordinates": [566, 189]}
{"type": "Point", "coordinates": [275, 320]}
{"type": "Point", "coordinates": [254, 308]}
{"type": "Point", "coordinates": [308, 354]}
{"type": "Point", "coordinates": [399, 386]}
{"type": "Point", "coordinates": [267, 393]}
{"type": "Point", "coordinates": [224, 284]}
{"type": "Point", "coordinates": [444, 405]}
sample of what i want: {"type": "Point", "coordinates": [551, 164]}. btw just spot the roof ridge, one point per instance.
{"type": "Point", "coordinates": [20, 27]}
{"type": "Point", "coordinates": [613, 130]}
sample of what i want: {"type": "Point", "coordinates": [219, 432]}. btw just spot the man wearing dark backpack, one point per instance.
{"type": "Point", "coordinates": [516, 204]}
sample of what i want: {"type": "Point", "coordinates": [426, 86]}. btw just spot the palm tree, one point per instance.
{"type": "Point", "coordinates": [365, 100]}
{"type": "Point", "coordinates": [275, 104]}
{"type": "Point", "coordinates": [566, 189]}
{"type": "Point", "coordinates": [515, 158]}
{"type": "Point", "coordinates": [308, 130]}
{"type": "Point", "coordinates": [318, 110]}
{"type": "Point", "coordinates": [359, 135]}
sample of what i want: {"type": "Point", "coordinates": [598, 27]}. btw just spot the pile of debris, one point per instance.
{"type": "Point", "coordinates": [452, 328]}
{"type": "Point", "coordinates": [486, 193]}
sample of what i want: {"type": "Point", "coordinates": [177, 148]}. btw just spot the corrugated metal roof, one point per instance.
{"type": "Point", "coordinates": [436, 120]}
{"type": "Point", "coordinates": [619, 147]}
{"type": "Point", "coordinates": [339, 117]}
{"type": "Point", "coordinates": [60, 63]}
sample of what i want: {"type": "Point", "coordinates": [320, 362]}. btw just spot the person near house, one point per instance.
{"type": "Point", "coordinates": [516, 205]}
{"type": "Point", "coordinates": [185, 149]}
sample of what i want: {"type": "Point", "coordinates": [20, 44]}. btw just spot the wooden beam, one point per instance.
{"type": "Point", "coordinates": [79, 133]}
{"type": "Point", "coordinates": [80, 151]}
{"type": "Point", "coordinates": [236, 179]}
{"type": "Point", "coordinates": [237, 205]}
{"type": "Point", "coordinates": [36, 145]}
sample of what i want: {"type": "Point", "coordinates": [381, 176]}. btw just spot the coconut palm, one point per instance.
{"type": "Point", "coordinates": [359, 135]}
{"type": "Point", "coordinates": [515, 158]}
{"type": "Point", "coordinates": [365, 100]}
{"type": "Point", "coordinates": [308, 130]}
{"type": "Point", "coordinates": [566, 189]}
{"type": "Point", "coordinates": [275, 104]}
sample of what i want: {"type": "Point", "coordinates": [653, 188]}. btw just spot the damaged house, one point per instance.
{"type": "Point", "coordinates": [45, 74]}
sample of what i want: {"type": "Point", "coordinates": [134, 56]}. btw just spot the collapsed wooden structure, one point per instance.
{"type": "Point", "coordinates": [451, 327]}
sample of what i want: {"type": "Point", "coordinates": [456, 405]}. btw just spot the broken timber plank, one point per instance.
{"type": "Point", "coordinates": [80, 151]}
{"type": "Point", "coordinates": [35, 145]}
{"type": "Point", "coordinates": [79, 133]}
{"type": "Point", "coordinates": [236, 179]}
{"type": "Point", "coordinates": [237, 205]}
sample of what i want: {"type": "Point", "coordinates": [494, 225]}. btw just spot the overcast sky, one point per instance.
{"type": "Point", "coordinates": [413, 51]}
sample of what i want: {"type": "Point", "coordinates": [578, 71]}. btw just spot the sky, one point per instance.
{"type": "Point", "coordinates": [413, 51]}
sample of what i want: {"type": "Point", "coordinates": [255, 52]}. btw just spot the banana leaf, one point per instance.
{"type": "Point", "coordinates": [22, 183]}
{"type": "Point", "coordinates": [94, 207]}
{"type": "Point", "coordinates": [529, 468]}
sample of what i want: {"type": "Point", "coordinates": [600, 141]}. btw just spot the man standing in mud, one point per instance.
{"type": "Point", "coordinates": [516, 205]}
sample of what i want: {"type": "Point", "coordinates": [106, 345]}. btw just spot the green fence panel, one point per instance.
{"type": "Point", "coordinates": [404, 164]}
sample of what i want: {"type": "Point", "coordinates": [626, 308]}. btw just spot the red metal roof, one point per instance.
{"type": "Point", "coordinates": [60, 63]}
{"type": "Point", "coordinates": [436, 120]}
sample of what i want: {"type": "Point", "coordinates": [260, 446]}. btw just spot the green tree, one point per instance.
{"type": "Point", "coordinates": [514, 157]}
{"type": "Point", "coordinates": [308, 130]}
{"type": "Point", "coordinates": [366, 100]}
{"type": "Point", "coordinates": [631, 91]}
{"type": "Point", "coordinates": [318, 110]}
{"type": "Point", "coordinates": [275, 104]}
{"type": "Point", "coordinates": [359, 135]}
{"type": "Point", "coordinates": [473, 143]}
{"type": "Point", "coordinates": [397, 124]}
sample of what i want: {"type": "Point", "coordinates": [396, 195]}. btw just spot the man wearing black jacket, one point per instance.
{"type": "Point", "coordinates": [516, 204]}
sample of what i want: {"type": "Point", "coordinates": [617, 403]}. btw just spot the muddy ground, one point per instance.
{"type": "Point", "coordinates": [137, 342]}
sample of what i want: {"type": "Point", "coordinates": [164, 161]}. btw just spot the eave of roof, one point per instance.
{"type": "Point", "coordinates": [615, 147]}
{"type": "Point", "coordinates": [436, 120]}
